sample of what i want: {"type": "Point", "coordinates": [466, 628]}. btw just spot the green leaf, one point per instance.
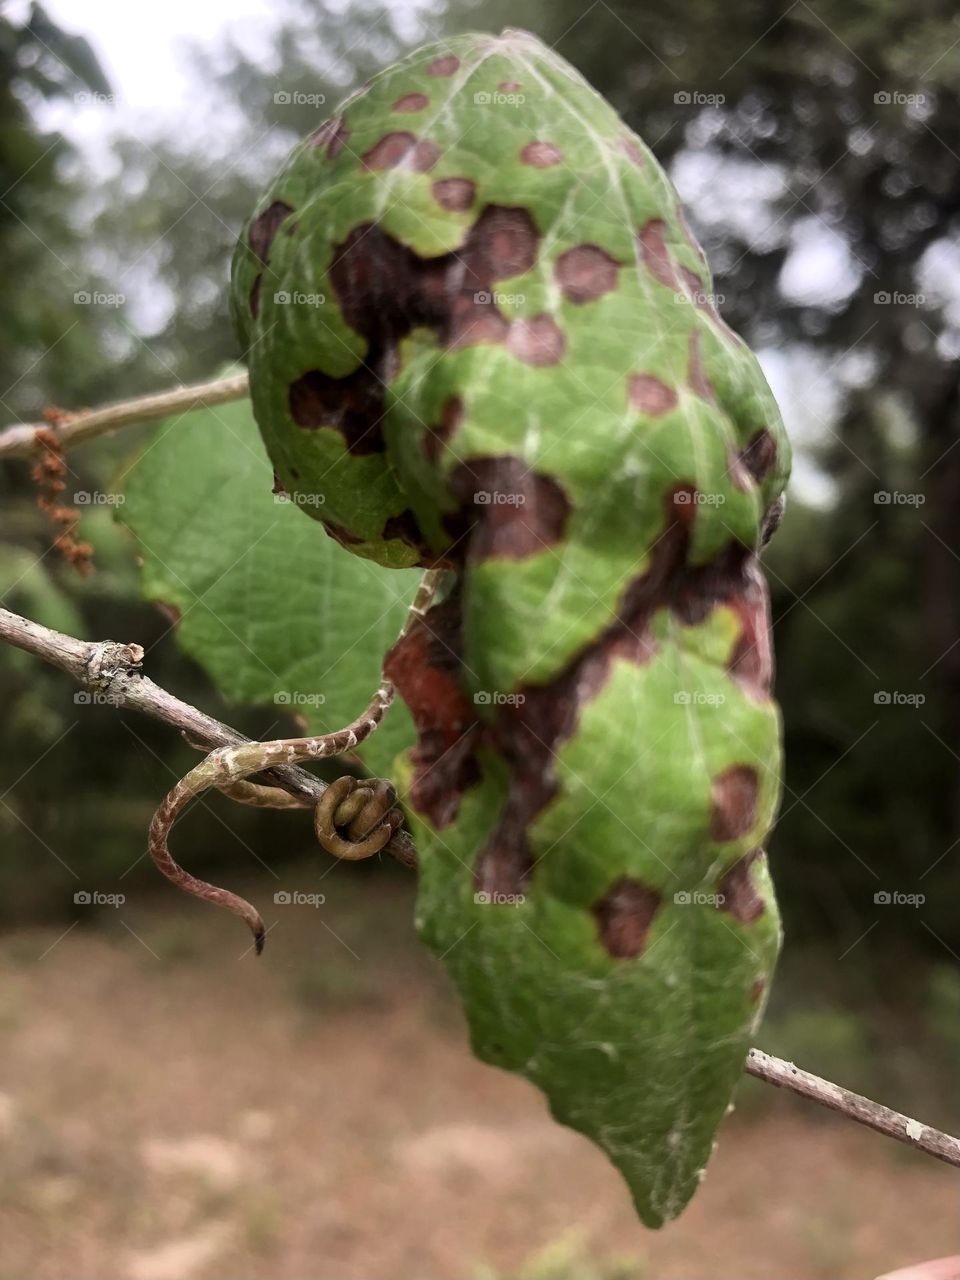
{"type": "Point", "coordinates": [273, 609]}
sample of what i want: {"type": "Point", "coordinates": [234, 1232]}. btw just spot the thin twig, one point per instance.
{"type": "Point", "coordinates": [854, 1106]}
{"type": "Point", "coordinates": [224, 767]}
{"type": "Point", "coordinates": [20, 440]}
{"type": "Point", "coordinates": [111, 671]}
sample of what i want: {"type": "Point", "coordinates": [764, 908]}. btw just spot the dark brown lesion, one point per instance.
{"type": "Point", "coordinates": [438, 435]}
{"type": "Point", "coordinates": [265, 226]}
{"type": "Point", "coordinates": [740, 897]}
{"type": "Point", "coordinates": [654, 252]}
{"type": "Point", "coordinates": [697, 378]}
{"type": "Point", "coordinates": [445, 65]}
{"type": "Point", "coordinates": [650, 395]}
{"type": "Point", "coordinates": [411, 102]}
{"type": "Point", "coordinates": [540, 155]}
{"type": "Point", "coordinates": [538, 341]}
{"type": "Point", "coordinates": [512, 511]}
{"type": "Point", "coordinates": [332, 136]}
{"type": "Point", "coordinates": [384, 290]}
{"type": "Point", "coordinates": [733, 802]}
{"type": "Point", "coordinates": [401, 150]}
{"type": "Point", "coordinates": [455, 194]}
{"type": "Point", "coordinates": [260, 237]}
{"type": "Point", "coordinates": [426, 666]}
{"type": "Point", "coordinates": [586, 272]}
{"type": "Point", "coordinates": [625, 916]}
{"type": "Point", "coordinates": [760, 455]}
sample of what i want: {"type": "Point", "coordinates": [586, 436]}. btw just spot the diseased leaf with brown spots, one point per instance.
{"type": "Point", "coordinates": [482, 332]}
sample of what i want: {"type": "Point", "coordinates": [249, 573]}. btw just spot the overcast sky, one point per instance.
{"type": "Point", "coordinates": [137, 43]}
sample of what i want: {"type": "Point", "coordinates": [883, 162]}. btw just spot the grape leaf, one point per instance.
{"type": "Point", "coordinates": [272, 609]}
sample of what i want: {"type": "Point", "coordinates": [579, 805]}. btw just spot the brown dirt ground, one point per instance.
{"type": "Point", "coordinates": [171, 1111]}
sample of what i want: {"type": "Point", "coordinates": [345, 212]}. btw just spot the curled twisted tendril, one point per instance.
{"type": "Point", "coordinates": [368, 817]}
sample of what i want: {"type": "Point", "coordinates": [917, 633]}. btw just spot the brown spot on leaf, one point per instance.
{"type": "Point", "coordinates": [697, 378]}
{"type": "Point", "coordinates": [632, 152]}
{"type": "Point", "coordinates": [277, 485]}
{"type": "Point", "coordinates": [474, 323]}
{"type": "Point", "coordinates": [541, 155]}
{"type": "Point", "coordinates": [352, 405]}
{"type": "Point", "coordinates": [401, 150]}
{"type": "Point", "coordinates": [455, 194]}
{"type": "Point", "coordinates": [650, 395]}
{"type": "Point", "coordinates": [516, 511]}
{"type": "Point", "coordinates": [738, 473]}
{"type": "Point", "coordinates": [426, 667]}
{"type": "Point", "coordinates": [405, 527]}
{"type": "Point", "coordinates": [538, 341]}
{"type": "Point", "coordinates": [624, 916]}
{"type": "Point", "coordinates": [445, 65]}
{"type": "Point", "coordinates": [509, 86]}
{"type": "Point", "coordinates": [757, 990]}
{"type": "Point", "coordinates": [437, 436]}
{"type": "Point", "coordinates": [264, 227]}
{"type": "Point", "coordinates": [733, 802]}
{"type": "Point", "coordinates": [172, 612]}
{"type": "Point", "coordinates": [502, 243]}
{"type": "Point", "coordinates": [656, 257]}
{"type": "Point", "coordinates": [694, 289]}
{"type": "Point", "coordinates": [760, 454]}
{"type": "Point", "coordinates": [586, 272]}
{"type": "Point", "coordinates": [332, 135]}
{"type": "Point", "coordinates": [739, 893]}
{"type": "Point", "coordinates": [411, 102]}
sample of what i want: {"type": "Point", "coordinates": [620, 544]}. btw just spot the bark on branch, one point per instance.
{"type": "Point", "coordinates": [113, 671]}
{"type": "Point", "coordinates": [20, 439]}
